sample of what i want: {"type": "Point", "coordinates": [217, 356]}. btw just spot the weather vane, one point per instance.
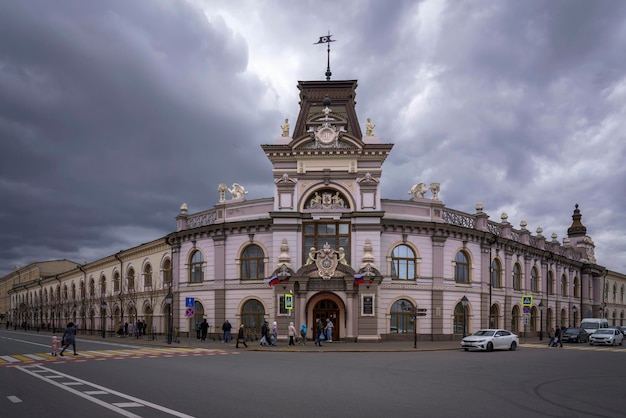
{"type": "Point", "coordinates": [326, 40]}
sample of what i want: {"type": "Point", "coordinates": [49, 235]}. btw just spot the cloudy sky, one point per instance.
{"type": "Point", "coordinates": [113, 113]}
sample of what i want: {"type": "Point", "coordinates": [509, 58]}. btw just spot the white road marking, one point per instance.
{"type": "Point", "coordinates": [9, 359]}
{"type": "Point", "coordinates": [14, 399]}
{"type": "Point", "coordinates": [98, 401]}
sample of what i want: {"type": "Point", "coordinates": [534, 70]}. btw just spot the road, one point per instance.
{"type": "Point", "coordinates": [112, 378]}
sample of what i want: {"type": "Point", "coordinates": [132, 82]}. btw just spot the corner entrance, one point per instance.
{"type": "Point", "coordinates": [324, 309]}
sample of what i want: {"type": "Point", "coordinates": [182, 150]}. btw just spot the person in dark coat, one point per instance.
{"type": "Point", "coordinates": [204, 328]}
{"type": "Point", "coordinates": [69, 338]}
{"type": "Point", "coordinates": [241, 337]}
{"type": "Point", "coordinates": [265, 334]}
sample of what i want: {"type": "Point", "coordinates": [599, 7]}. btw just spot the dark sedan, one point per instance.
{"type": "Point", "coordinates": [575, 335]}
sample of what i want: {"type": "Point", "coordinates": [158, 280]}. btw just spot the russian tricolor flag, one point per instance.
{"type": "Point", "coordinates": [358, 279]}
{"type": "Point", "coordinates": [273, 281]}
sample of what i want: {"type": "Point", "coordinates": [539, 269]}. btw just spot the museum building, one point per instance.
{"type": "Point", "coordinates": [326, 245]}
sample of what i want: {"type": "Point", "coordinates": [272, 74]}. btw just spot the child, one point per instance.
{"type": "Point", "coordinates": [55, 345]}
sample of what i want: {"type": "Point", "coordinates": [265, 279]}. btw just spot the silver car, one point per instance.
{"type": "Point", "coordinates": [606, 336]}
{"type": "Point", "coordinates": [491, 339]}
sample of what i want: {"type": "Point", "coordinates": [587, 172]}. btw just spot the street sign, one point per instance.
{"type": "Point", "coordinates": [189, 312]}
{"type": "Point", "coordinates": [526, 318]}
{"type": "Point", "coordinates": [527, 300]}
{"type": "Point", "coordinates": [288, 301]}
{"type": "Point", "coordinates": [189, 302]}
{"type": "Point", "coordinates": [526, 309]}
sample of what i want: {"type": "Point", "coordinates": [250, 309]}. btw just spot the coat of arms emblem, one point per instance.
{"type": "Point", "coordinates": [326, 261]}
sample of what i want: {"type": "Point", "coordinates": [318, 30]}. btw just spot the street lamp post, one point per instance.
{"type": "Point", "coordinates": [103, 307]}
{"type": "Point", "coordinates": [169, 299]}
{"type": "Point", "coordinates": [464, 303]}
{"type": "Point", "coordinates": [601, 312]}
{"type": "Point", "coordinates": [574, 309]}
{"type": "Point", "coordinates": [541, 321]}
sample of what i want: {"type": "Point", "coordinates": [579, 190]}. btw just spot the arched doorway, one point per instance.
{"type": "Point", "coordinates": [252, 315]}
{"type": "Point", "coordinates": [328, 309]}
{"type": "Point", "coordinates": [198, 317]}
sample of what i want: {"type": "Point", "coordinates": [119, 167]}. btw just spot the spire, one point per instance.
{"type": "Point", "coordinates": [577, 229]}
{"type": "Point", "coordinates": [326, 40]}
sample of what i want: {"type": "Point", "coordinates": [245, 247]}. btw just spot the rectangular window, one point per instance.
{"type": "Point", "coordinates": [281, 305]}
{"type": "Point", "coordinates": [317, 234]}
{"type": "Point", "coordinates": [367, 305]}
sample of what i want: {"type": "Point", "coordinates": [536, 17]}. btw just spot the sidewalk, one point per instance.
{"type": "Point", "coordinates": [335, 346]}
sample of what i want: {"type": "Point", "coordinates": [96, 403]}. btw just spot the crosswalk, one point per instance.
{"type": "Point", "coordinates": [16, 359]}
{"type": "Point", "coordinates": [580, 347]}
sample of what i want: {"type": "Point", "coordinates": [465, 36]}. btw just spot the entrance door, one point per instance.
{"type": "Point", "coordinates": [327, 309]}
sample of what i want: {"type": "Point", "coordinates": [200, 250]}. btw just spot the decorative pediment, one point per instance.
{"type": "Point", "coordinates": [326, 199]}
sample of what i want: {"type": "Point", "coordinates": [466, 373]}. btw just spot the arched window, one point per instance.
{"type": "Point", "coordinates": [252, 314]}
{"type": "Point", "coordinates": [550, 283]}
{"type": "Point", "coordinates": [534, 319]}
{"type": "Point", "coordinates": [459, 325]}
{"type": "Point", "coordinates": [403, 263]}
{"type": "Point", "coordinates": [576, 287]}
{"type": "Point", "coordinates": [517, 277]}
{"type": "Point", "coordinates": [622, 294]}
{"type": "Point", "coordinates": [515, 316]}
{"type": "Point", "coordinates": [563, 285]}
{"type": "Point", "coordinates": [496, 273]}
{"type": "Point", "coordinates": [494, 315]}
{"type": "Point", "coordinates": [252, 264]}
{"type": "Point", "coordinates": [92, 288]}
{"type": "Point", "coordinates": [130, 279]}
{"type": "Point", "coordinates": [196, 272]}
{"type": "Point", "coordinates": [461, 268]}
{"type": "Point", "coordinates": [65, 295]}
{"type": "Point", "coordinates": [401, 321]}
{"type": "Point", "coordinates": [198, 314]}
{"type": "Point", "coordinates": [116, 282]}
{"type": "Point", "coordinates": [147, 275]}
{"type": "Point", "coordinates": [614, 292]}
{"type": "Point", "coordinates": [73, 291]}
{"type": "Point", "coordinates": [534, 280]}
{"type": "Point", "coordinates": [167, 272]}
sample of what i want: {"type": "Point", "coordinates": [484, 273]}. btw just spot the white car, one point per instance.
{"type": "Point", "coordinates": [606, 336]}
{"type": "Point", "coordinates": [490, 339]}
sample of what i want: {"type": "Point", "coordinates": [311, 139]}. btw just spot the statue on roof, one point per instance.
{"type": "Point", "coordinates": [285, 128]}
{"type": "Point", "coordinates": [237, 191]}
{"type": "Point", "coordinates": [369, 128]}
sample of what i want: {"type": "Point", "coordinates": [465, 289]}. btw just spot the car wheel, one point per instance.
{"type": "Point", "coordinates": [466, 349]}
{"type": "Point", "coordinates": [513, 346]}
{"type": "Point", "coordinates": [489, 346]}
{"type": "Point", "coordinates": [590, 343]}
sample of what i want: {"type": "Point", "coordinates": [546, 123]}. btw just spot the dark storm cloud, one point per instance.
{"type": "Point", "coordinates": [114, 113]}
{"type": "Point", "coordinates": [111, 112]}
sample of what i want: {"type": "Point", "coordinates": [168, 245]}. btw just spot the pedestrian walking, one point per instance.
{"type": "Point", "coordinates": [227, 327]}
{"type": "Point", "coordinates": [292, 333]}
{"type": "Point", "coordinates": [204, 328]}
{"type": "Point", "coordinates": [274, 333]}
{"type": "Point", "coordinates": [69, 338]}
{"type": "Point", "coordinates": [551, 335]}
{"type": "Point", "coordinates": [264, 334]}
{"type": "Point", "coordinates": [319, 332]}
{"type": "Point", "coordinates": [55, 345]}
{"type": "Point", "coordinates": [329, 330]}
{"type": "Point", "coordinates": [303, 334]}
{"type": "Point", "coordinates": [557, 337]}
{"type": "Point", "coordinates": [241, 337]}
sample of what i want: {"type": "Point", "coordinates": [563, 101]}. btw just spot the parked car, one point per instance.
{"type": "Point", "coordinates": [491, 339]}
{"type": "Point", "coordinates": [575, 335]}
{"type": "Point", "coordinates": [606, 336]}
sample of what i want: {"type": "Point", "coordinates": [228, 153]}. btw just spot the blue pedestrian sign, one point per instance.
{"type": "Point", "coordinates": [189, 302]}
{"type": "Point", "coordinates": [527, 300]}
